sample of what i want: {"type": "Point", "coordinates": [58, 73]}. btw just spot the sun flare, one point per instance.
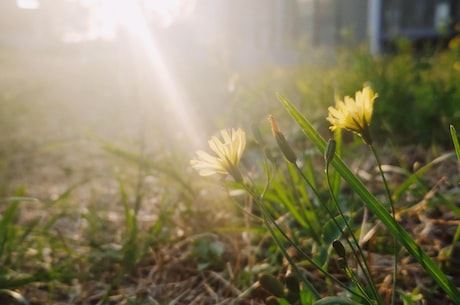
{"type": "Point", "coordinates": [108, 15]}
{"type": "Point", "coordinates": [166, 10]}
{"type": "Point", "coordinates": [130, 16]}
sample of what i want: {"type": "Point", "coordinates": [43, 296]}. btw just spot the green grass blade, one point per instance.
{"type": "Point", "coordinates": [375, 206]}
{"type": "Point", "coordinates": [281, 198]}
{"type": "Point", "coordinates": [453, 133]}
{"type": "Point", "coordinates": [20, 199]}
{"type": "Point", "coordinates": [416, 176]}
{"type": "Point", "coordinates": [162, 167]}
{"type": "Point", "coordinates": [338, 150]}
{"type": "Point", "coordinates": [8, 230]}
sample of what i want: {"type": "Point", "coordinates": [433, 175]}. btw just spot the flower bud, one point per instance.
{"type": "Point", "coordinates": [339, 248]}
{"type": "Point", "coordinates": [292, 283]}
{"type": "Point", "coordinates": [329, 152]}
{"type": "Point", "coordinates": [271, 284]}
{"type": "Point", "coordinates": [286, 149]}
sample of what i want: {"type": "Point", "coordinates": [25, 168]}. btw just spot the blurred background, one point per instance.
{"type": "Point", "coordinates": [164, 75]}
{"type": "Point", "coordinates": [111, 66]}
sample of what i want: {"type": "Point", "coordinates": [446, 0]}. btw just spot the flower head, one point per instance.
{"type": "Point", "coordinates": [228, 155]}
{"type": "Point", "coordinates": [354, 114]}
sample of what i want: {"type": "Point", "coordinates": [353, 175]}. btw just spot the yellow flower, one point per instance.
{"type": "Point", "coordinates": [354, 114]}
{"type": "Point", "coordinates": [228, 155]}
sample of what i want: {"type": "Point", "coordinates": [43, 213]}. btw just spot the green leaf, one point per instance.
{"type": "Point", "coordinates": [306, 297]}
{"type": "Point", "coordinates": [453, 133]}
{"type": "Point", "coordinates": [20, 199]}
{"type": "Point", "coordinates": [331, 231]}
{"type": "Point", "coordinates": [419, 173]}
{"type": "Point", "coordinates": [8, 231]}
{"type": "Point", "coordinates": [283, 301]}
{"type": "Point", "coordinates": [322, 255]}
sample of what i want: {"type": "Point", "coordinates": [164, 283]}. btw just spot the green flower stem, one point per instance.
{"type": "Point", "coordinates": [316, 225]}
{"type": "Point", "coordinates": [313, 227]}
{"type": "Point", "coordinates": [392, 207]}
{"type": "Point", "coordinates": [375, 206]}
{"type": "Point", "coordinates": [360, 258]}
{"type": "Point", "coordinates": [453, 134]}
{"type": "Point", "coordinates": [329, 212]}
{"type": "Point", "coordinates": [269, 222]}
{"type": "Point", "coordinates": [355, 280]}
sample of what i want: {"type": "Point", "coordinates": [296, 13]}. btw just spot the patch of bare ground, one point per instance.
{"type": "Point", "coordinates": [171, 274]}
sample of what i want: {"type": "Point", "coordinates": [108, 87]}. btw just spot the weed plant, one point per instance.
{"type": "Point", "coordinates": [320, 226]}
{"type": "Point", "coordinates": [328, 228]}
{"type": "Point", "coordinates": [83, 211]}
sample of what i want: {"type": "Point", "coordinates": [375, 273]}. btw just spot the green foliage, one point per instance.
{"type": "Point", "coordinates": [455, 141]}
{"type": "Point", "coordinates": [285, 293]}
{"type": "Point", "coordinates": [418, 98]}
{"type": "Point", "coordinates": [207, 253]}
{"type": "Point", "coordinates": [28, 252]}
{"type": "Point", "coordinates": [331, 231]}
{"type": "Point", "coordinates": [374, 205]}
{"type": "Point", "coordinates": [412, 298]}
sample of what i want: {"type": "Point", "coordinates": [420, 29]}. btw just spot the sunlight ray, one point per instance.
{"type": "Point", "coordinates": [130, 15]}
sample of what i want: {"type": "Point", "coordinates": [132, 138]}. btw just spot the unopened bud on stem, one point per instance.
{"type": "Point", "coordinates": [339, 248]}
{"type": "Point", "coordinates": [286, 149]}
{"type": "Point", "coordinates": [329, 152]}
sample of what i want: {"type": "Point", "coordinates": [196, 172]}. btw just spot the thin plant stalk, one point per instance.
{"type": "Point", "coordinates": [336, 223]}
{"type": "Point", "coordinates": [359, 255]}
{"type": "Point", "coordinates": [358, 259]}
{"type": "Point", "coordinates": [316, 236]}
{"type": "Point", "coordinates": [269, 222]}
{"type": "Point", "coordinates": [291, 158]}
{"type": "Point", "coordinates": [395, 242]}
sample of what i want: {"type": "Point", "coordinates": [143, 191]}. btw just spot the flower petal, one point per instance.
{"type": "Point", "coordinates": [228, 154]}
{"type": "Point", "coordinates": [353, 114]}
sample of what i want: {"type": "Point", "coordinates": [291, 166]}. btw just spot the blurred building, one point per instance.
{"type": "Point", "coordinates": [19, 28]}
{"type": "Point", "coordinates": [38, 24]}
{"type": "Point", "coordinates": [282, 30]}
{"type": "Point", "coordinates": [260, 31]}
{"type": "Point", "coordinates": [379, 23]}
{"type": "Point", "coordinates": [421, 21]}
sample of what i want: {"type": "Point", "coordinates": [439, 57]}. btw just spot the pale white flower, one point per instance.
{"type": "Point", "coordinates": [227, 154]}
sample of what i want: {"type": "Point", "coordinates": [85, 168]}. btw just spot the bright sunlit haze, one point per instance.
{"type": "Point", "coordinates": [245, 152]}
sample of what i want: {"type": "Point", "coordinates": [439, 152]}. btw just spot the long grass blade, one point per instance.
{"type": "Point", "coordinates": [164, 168]}
{"type": "Point", "coordinates": [453, 133]}
{"type": "Point", "coordinates": [416, 176]}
